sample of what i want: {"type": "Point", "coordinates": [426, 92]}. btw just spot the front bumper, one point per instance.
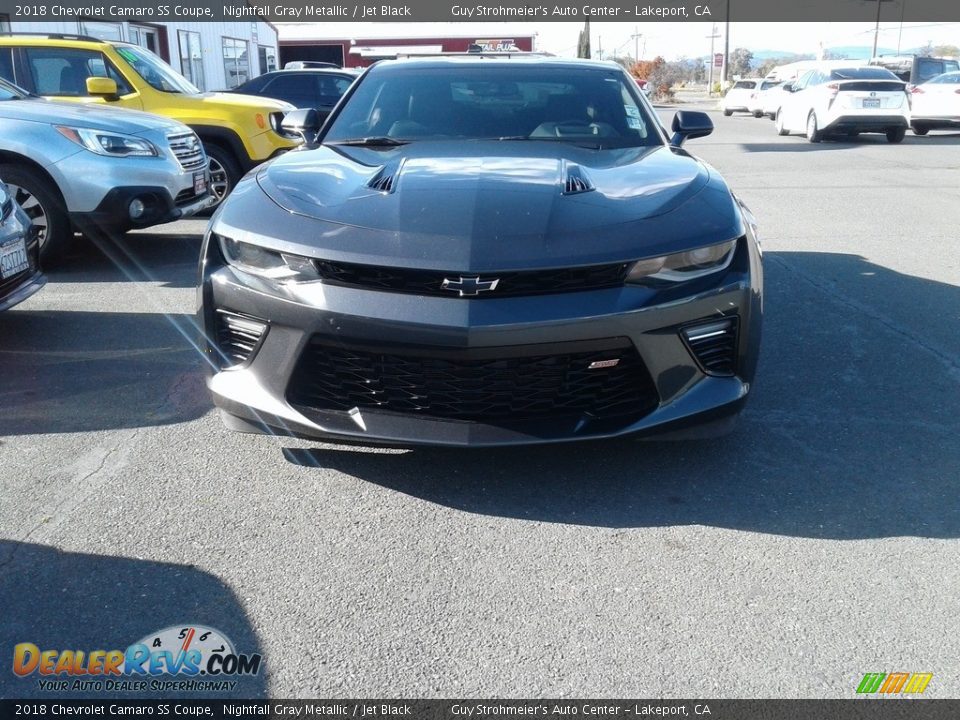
{"type": "Point", "coordinates": [16, 289]}
{"type": "Point", "coordinates": [255, 395]}
{"type": "Point", "coordinates": [114, 210]}
{"type": "Point", "coordinates": [98, 189]}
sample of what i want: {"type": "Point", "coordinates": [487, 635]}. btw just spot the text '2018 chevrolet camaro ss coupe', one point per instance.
{"type": "Point", "coordinates": [481, 252]}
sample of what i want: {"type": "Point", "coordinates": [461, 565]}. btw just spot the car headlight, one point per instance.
{"type": "Point", "coordinates": [267, 263]}
{"type": "Point", "coordinates": [111, 144]}
{"type": "Point", "coordinates": [684, 266]}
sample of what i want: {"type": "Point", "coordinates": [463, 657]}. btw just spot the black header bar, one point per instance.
{"type": "Point", "coordinates": [470, 11]}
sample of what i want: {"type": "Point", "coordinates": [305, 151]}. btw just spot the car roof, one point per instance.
{"type": "Point", "coordinates": [60, 40]}
{"type": "Point", "coordinates": [485, 59]}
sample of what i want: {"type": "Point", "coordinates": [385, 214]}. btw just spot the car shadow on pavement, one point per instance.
{"type": "Point", "coordinates": [75, 601]}
{"type": "Point", "coordinates": [798, 143]}
{"type": "Point", "coordinates": [851, 431]}
{"type": "Point", "coordinates": [168, 260]}
{"type": "Point", "coordinates": [85, 371]}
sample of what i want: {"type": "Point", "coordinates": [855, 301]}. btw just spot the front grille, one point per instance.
{"type": "Point", "coordinates": [186, 196]}
{"type": "Point", "coordinates": [714, 344]}
{"type": "Point", "coordinates": [188, 151]}
{"type": "Point", "coordinates": [238, 336]}
{"type": "Point", "coordinates": [494, 385]}
{"type": "Point", "coordinates": [511, 284]}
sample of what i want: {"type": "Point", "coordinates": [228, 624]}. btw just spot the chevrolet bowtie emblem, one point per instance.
{"type": "Point", "coordinates": [469, 286]}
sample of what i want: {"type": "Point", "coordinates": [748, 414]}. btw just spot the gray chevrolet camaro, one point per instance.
{"type": "Point", "coordinates": [481, 252]}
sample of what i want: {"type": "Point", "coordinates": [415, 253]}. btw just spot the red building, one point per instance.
{"type": "Point", "coordinates": [335, 43]}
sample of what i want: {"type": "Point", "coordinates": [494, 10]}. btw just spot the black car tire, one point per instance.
{"type": "Point", "coordinates": [41, 200]}
{"type": "Point", "coordinates": [224, 172]}
{"type": "Point", "coordinates": [727, 113]}
{"type": "Point", "coordinates": [920, 129]}
{"type": "Point", "coordinates": [814, 134]}
{"type": "Point", "coordinates": [896, 135]}
{"type": "Point", "coordinates": [758, 113]}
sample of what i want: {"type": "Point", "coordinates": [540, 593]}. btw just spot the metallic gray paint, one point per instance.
{"type": "Point", "coordinates": [478, 208]}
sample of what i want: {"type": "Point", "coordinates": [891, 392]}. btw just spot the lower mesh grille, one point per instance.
{"type": "Point", "coordinates": [483, 384]}
{"type": "Point", "coordinates": [714, 344]}
{"type": "Point", "coordinates": [238, 336]}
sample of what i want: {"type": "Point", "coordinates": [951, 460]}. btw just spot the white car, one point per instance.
{"type": "Point", "coordinates": [936, 104]}
{"type": "Point", "coordinates": [738, 97]}
{"type": "Point", "coordinates": [767, 94]}
{"type": "Point", "coordinates": [845, 102]}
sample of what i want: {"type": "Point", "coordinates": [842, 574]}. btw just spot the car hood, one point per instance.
{"type": "Point", "coordinates": [487, 205]}
{"type": "Point", "coordinates": [95, 117]}
{"type": "Point", "coordinates": [239, 101]}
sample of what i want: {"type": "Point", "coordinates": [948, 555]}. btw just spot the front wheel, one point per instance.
{"type": "Point", "coordinates": [813, 132]}
{"type": "Point", "coordinates": [920, 129]}
{"type": "Point", "coordinates": [727, 113]}
{"type": "Point", "coordinates": [781, 128]}
{"type": "Point", "coordinates": [758, 113]}
{"type": "Point", "coordinates": [224, 172]}
{"type": "Point", "coordinates": [43, 204]}
{"type": "Point", "coordinates": [896, 135]}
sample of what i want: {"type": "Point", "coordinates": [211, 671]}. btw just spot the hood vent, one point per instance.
{"type": "Point", "coordinates": [576, 181]}
{"type": "Point", "coordinates": [386, 178]}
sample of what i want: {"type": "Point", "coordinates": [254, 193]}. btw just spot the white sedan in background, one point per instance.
{"type": "Point", "coordinates": [845, 102]}
{"type": "Point", "coordinates": [737, 98]}
{"type": "Point", "coordinates": [766, 99]}
{"type": "Point", "coordinates": [936, 104]}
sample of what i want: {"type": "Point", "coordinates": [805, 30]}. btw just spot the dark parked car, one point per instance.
{"type": "Point", "coordinates": [480, 252]}
{"type": "Point", "coordinates": [20, 275]}
{"type": "Point", "coordinates": [320, 89]}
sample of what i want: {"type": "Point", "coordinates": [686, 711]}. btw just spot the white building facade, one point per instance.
{"type": "Point", "coordinates": [211, 55]}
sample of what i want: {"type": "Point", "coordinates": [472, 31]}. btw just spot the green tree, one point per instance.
{"type": "Point", "coordinates": [741, 61]}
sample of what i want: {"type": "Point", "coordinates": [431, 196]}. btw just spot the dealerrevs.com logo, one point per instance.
{"type": "Point", "coordinates": [179, 658]}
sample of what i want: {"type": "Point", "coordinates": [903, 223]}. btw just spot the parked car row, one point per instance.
{"type": "Point", "coordinates": [831, 102]}
{"type": "Point", "coordinates": [102, 134]}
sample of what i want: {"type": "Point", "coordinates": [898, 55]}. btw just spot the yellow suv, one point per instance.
{"type": "Point", "coordinates": [237, 131]}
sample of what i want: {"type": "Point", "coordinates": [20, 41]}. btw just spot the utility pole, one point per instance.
{"type": "Point", "coordinates": [876, 30]}
{"type": "Point", "coordinates": [636, 43]}
{"type": "Point", "coordinates": [713, 36]}
{"type": "Point", "coordinates": [726, 47]}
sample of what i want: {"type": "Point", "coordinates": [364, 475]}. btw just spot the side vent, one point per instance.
{"type": "Point", "coordinates": [576, 181]}
{"type": "Point", "coordinates": [238, 336]}
{"type": "Point", "coordinates": [714, 345]}
{"type": "Point", "coordinates": [384, 180]}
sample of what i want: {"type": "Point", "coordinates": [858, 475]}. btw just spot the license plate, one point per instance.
{"type": "Point", "coordinates": [13, 258]}
{"type": "Point", "coordinates": [199, 183]}
{"type": "Point", "coordinates": [871, 102]}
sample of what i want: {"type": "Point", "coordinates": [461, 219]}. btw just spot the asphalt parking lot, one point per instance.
{"type": "Point", "coordinates": [815, 544]}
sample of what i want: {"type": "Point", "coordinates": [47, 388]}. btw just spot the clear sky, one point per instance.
{"type": "Point", "coordinates": [690, 39]}
{"type": "Point", "coordinates": [672, 40]}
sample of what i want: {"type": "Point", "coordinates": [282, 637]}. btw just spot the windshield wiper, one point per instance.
{"type": "Point", "coordinates": [376, 141]}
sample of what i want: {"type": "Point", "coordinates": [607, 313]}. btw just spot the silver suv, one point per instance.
{"type": "Point", "coordinates": [84, 167]}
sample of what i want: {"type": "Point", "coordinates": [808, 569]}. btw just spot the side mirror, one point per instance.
{"type": "Point", "coordinates": [102, 87]}
{"type": "Point", "coordinates": [789, 87]}
{"type": "Point", "coordinates": [304, 122]}
{"type": "Point", "coordinates": [688, 124]}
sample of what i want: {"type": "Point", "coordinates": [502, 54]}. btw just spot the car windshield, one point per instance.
{"type": "Point", "coordinates": [155, 71]}
{"type": "Point", "coordinates": [8, 91]}
{"type": "Point", "coordinates": [589, 106]}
